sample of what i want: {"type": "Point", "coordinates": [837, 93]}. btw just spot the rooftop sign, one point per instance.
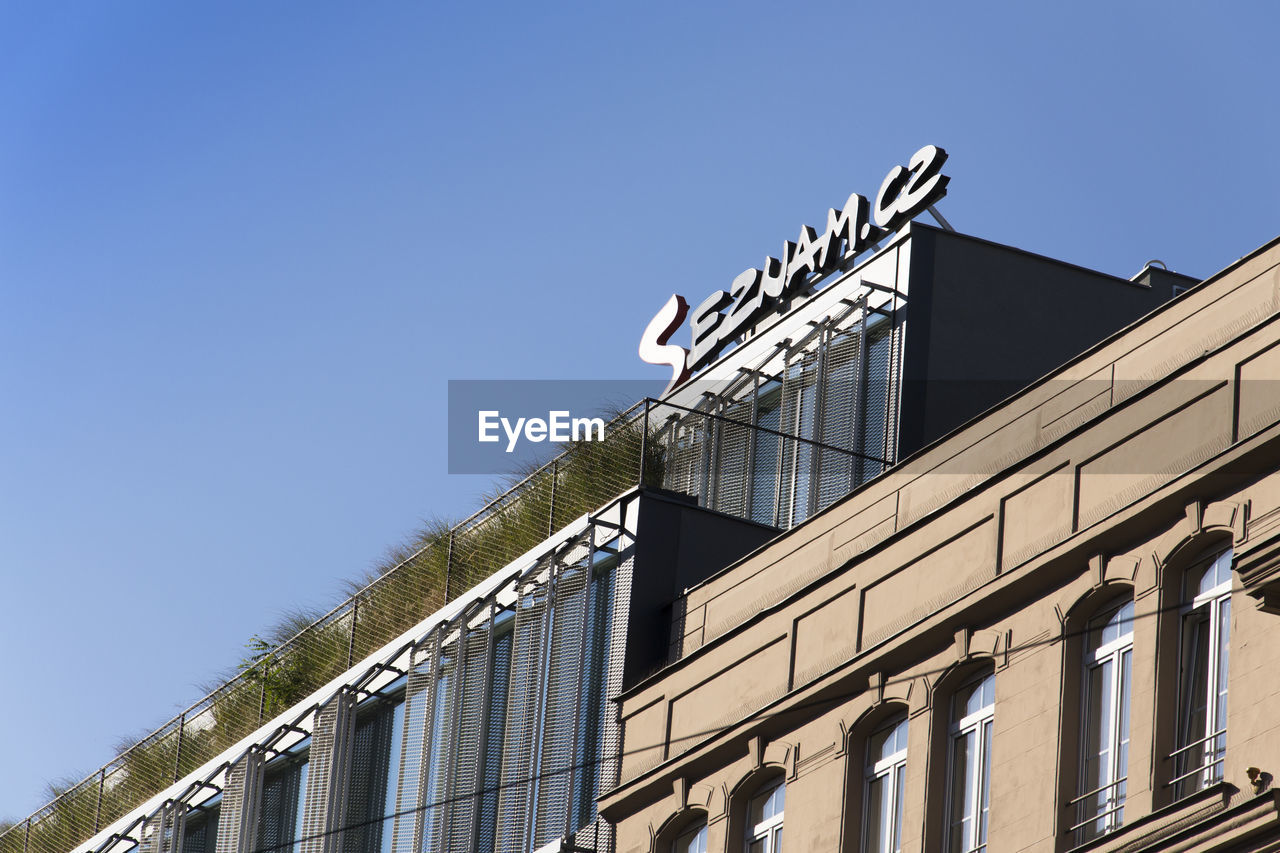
{"type": "Point", "coordinates": [905, 193]}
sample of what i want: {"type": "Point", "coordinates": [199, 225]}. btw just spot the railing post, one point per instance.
{"type": "Point", "coordinates": [97, 811]}
{"type": "Point", "coordinates": [26, 836]}
{"type": "Point", "coordinates": [351, 638]}
{"type": "Point", "coordinates": [448, 567]}
{"type": "Point", "coordinates": [177, 753]}
{"type": "Point", "coordinates": [644, 440]}
{"type": "Point", "coordinates": [555, 478]}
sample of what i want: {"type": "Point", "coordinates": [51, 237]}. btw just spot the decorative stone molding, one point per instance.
{"type": "Point", "coordinates": [1259, 571]}
{"type": "Point", "coordinates": [1225, 518]}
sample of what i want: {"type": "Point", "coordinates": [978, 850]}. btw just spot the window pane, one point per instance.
{"type": "Point", "coordinates": [1097, 726]}
{"type": "Point", "coordinates": [1194, 685]}
{"type": "Point", "coordinates": [901, 777]}
{"type": "Point", "coordinates": [877, 809]}
{"type": "Point", "coordinates": [1122, 748]}
{"type": "Point", "coordinates": [962, 793]}
{"type": "Point", "coordinates": [984, 784]}
{"type": "Point", "coordinates": [1219, 745]}
{"type": "Point", "coordinates": [693, 841]}
{"type": "Point", "coordinates": [1222, 568]}
{"type": "Point", "coordinates": [881, 746]}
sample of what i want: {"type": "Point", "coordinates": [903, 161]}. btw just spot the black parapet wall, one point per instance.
{"type": "Point", "coordinates": [678, 545]}
{"type": "Point", "coordinates": [985, 320]}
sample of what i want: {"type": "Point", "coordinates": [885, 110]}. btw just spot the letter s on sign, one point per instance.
{"type": "Point", "coordinates": [653, 343]}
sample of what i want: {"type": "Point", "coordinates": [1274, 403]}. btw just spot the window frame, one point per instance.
{"type": "Point", "coordinates": [1211, 610]}
{"type": "Point", "coordinates": [768, 830]}
{"type": "Point", "coordinates": [981, 724]}
{"type": "Point", "coordinates": [693, 831]}
{"type": "Point", "coordinates": [891, 768]}
{"type": "Point", "coordinates": [1118, 653]}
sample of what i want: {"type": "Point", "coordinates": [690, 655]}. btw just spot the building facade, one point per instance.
{"type": "Point", "coordinates": [1056, 628]}
{"type": "Point", "coordinates": [682, 638]}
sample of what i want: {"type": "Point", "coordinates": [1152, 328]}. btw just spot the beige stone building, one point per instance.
{"type": "Point", "coordinates": [1055, 628]}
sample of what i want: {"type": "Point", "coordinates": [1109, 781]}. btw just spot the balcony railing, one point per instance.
{"type": "Point", "coordinates": [1208, 769]}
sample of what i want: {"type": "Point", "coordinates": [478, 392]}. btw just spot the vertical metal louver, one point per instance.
{"type": "Point", "coordinates": [407, 833]}
{"type": "Point", "coordinates": [687, 453]}
{"type": "Point", "coordinates": [472, 694]}
{"type": "Point", "coordinates": [238, 822]}
{"type": "Point", "coordinates": [162, 831]}
{"type": "Point", "coordinates": [366, 799]}
{"type": "Point", "coordinates": [279, 820]}
{"type": "Point", "coordinates": [731, 449]}
{"type": "Point", "coordinates": [766, 453]}
{"type": "Point", "coordinates": [799, 414]}
{"type": "Point", "coordinates": [523, 723]}
{"type": "Point", "coordinates": [495, 723]}
{"type": "Point", "coordinates": [554, 781]}
{"type": "Point", "coordinates": [440, 747]}
{"type": "Point", "coordinates": [841, 413]}
{"type": "Point", "coordinates": [880, 380]}
{"type": "Point", "coordinates": [330, 760]}
{"type": "Point", "coordinates": [600, 742]}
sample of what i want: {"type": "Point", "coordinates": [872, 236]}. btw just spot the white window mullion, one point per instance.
{"type": "Point", "coordinates": [1113, 764]}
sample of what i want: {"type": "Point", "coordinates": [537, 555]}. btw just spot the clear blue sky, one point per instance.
{"type": "Point", "coordinates": [243, 247]}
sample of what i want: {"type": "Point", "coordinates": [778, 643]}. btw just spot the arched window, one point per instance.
{"type": "Point", "coordinates": [969, 778]}
{"type": "Point", "coordinates": [764, 818]}
{"type": "Point", "coordinates": [1202, 674]}
{"type": "Point", "coordinates": [1105, 690]}
{"type": "Point", "coordinates": [884, 777]}
{"type": "Point", "coordinates": [692, 840]}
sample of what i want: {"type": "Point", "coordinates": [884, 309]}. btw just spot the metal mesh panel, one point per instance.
{"type": "Point", "coordinates": [560, 714]}
{"type": "Point", "coordinates": [441, 748]}
{"type": "Point", "coordinates": [766, 454]}
{"type": "Point", "coordinates": [685, 449]}
{"type": "Point", "coordinates": [237, 824]}
{"type": "Point", "coordinates": [614, 596]}
{"type": "Point", "coordinates": [278, 819]}
{"type": "Point", "coordinates": [160, 832]}
{"type": "Point", "coordinates": [841, 386]}
{"type": "Point", "coordinates": [880, 378]}
{"type": "Point", "coordinates": [491, 748]}
{"type": "Point", "coordinates": [366, 800]}
{"type": "Point", "coordinates": [414, 754]}
{"type": "Point", "coordinates": [473, 694]}
{"type": "Point", "coordinates": [732, 446]}
{"type": "Point", "coordinates": [594, 706]}
{"type": "Point", "coordinates": [330, 758]}
{"type": "Point", "coordinates": [524, 722]}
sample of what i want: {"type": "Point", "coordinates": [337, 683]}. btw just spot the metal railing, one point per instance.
{"type": "Point", "coordinates": [755, 472]}
{"type": "Point", "coordinates": [1204, 768]}
{"type": "Point", "coordinates": [1109, 825]}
